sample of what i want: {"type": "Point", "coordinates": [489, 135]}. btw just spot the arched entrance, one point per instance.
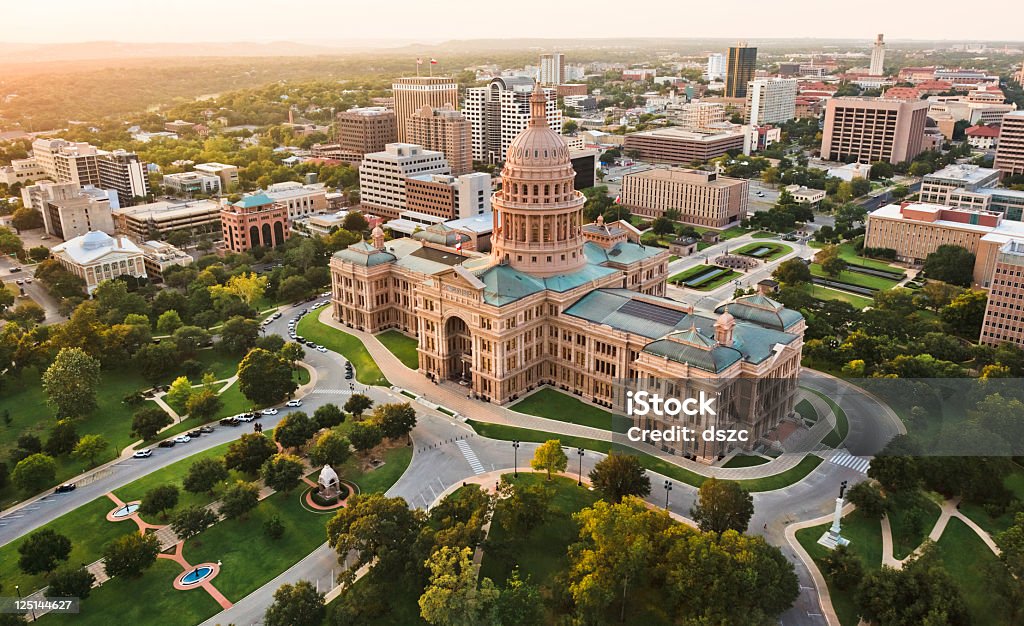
{"type": "Point", "coordinates": [278, 233]}
{"type": "Point", "coordinates": [268, 238]}
{"type": "Point", "coordinates": [254, 236]}
{"type": "Point", "coordinates": [459, 350]}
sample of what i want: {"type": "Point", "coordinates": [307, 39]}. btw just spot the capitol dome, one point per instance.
{"type": "Point", "coordinates": [95, 239]}
{"type": "Point", "coordinates": [538, 145]}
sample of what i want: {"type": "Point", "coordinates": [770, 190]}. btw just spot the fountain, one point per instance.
{"type": "Point", "coordinates": [196, 576]}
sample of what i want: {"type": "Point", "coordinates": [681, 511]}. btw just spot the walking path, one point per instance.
{"type": "Point", "coordinates": [455, 398]}
{"type": "Point", "coordinates": [949, 511]}
{"type": "Point", "coordinates": [827, 610]}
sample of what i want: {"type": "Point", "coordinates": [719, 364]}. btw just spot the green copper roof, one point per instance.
{"type": "Point", "coordinates": [623, 253]}
{"type": "Point", "coordinates": [504, 285]}
{"type": "Point", "coordinates": [257, 199]}
{"type": "Point", "coordinates": [363, 253]}
{"type": "Point", "coordinates": [762, 310]}
{"type": "Point", "coordinates": [710, 359]}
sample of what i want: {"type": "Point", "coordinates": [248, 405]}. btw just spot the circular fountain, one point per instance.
{"type": "Point", "coordinates": [196, 575]}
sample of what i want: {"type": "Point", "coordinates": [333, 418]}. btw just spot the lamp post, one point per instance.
{"type": "Point", "coordinates": [668, 488]}
{"type": "Point", "coordinates": [515, 458]}
{"type": "Point", "coordinates": [579, 451]}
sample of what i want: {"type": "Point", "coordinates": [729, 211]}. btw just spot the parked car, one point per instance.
{"type": "Point", "coordinates": [321, 349]}
{"type": "Point", "coordinates": [19, 282]}
{"type": "Point", "coordinates": [206, 429]}
{"type": "Point", "coordinates": [182, 439]}
{"type": "Point", "coordinates": [294, 403]}
{"type": "Point", "coordinates": [245, 417]}
{"type": "Point", "coordinates": [300, 339]}
{"type": "Point", "coordinates": [348, 375]}
{"type": "Point", "coordinates": [166, 443]}
{"type": "Point", "coordinates": [144, 453]}
{"type": "Point", "coordinates": [65, 488]}
{"type": "Point", "coordinates": [195, 433]}
{"type": "Point", "coordinates": [269, 411]}
{"type": "Point", "coordinates": [14, 270]}
{"type": "Point", "coordinates": [28, 280]}
{"type": "Point", "coordinates": [229, 421]}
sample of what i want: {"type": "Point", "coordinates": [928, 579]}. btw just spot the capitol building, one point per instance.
{"type": "Point", "coordinates": [578, 307]}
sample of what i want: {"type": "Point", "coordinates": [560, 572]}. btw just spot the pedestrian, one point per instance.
{"type": "Point", "coordinates": [766, 526]}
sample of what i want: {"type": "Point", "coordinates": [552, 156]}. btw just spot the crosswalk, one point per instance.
{"type": "Point", "coordinates": [846, 459]}
{"type": "Point", "coordinates": [467, 452]}
{"type": "Point", "coordinates": [330, 391]}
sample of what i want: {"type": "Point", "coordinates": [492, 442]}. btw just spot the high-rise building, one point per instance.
{"type": "Point", "coordinates": [70, 210]}
{"type": "Point", "coordinates": [676, 145]}
{"type": "Point", "coordinates": [382, 176]}
{"type": "Point", "coordinates": [500, 111]}
{"type": "Point", "coordinates": [300, 200]}
{"type": "Point", "coordinates": [84, 164]}
{"type": "Point", "coordinates": [1010, 151]}
{"type": "Point", "coordinates": [445, 130]}
{"type": "Point", "coordinates": [771, 100]}
{"type": "Point", "coordinates": [228, 174]}
{"type": "Point", "coordinates": [449, 197]}
{"type": "Point", "coordinates": [413, 92]}
{"type": "Point", "coordinates": [740, 70]}
{"type": "Point", "coordinates": [867, 130]}
{"type": "Point", "coordinates": [716, 66]}
{"type": "Point", "coordinates": [365, 129]}
{"type": "Point", "coordinates": [878, 57]}
{"type": "Point", "coordinates": [700, 115]}
{"type": "Point", "coordinates": [1002, 321]}
{"type": "Point", "coordinates": [552, 69]}
{"type": "Point", "coordinates": [701, 197]}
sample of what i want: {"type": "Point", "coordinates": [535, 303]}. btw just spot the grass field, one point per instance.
{"type": "Point", "coordinates": [777, 250]}
{"type": "Point", "coordinates": [865, 537]}
{"type": "Point", "coordinates": [848, 254]}
{"type": "Point", "coordinates": [838, 434]}
{"type": "Point", "coordinates": [401, 346]}
{"type": "Point", "coordinates": [694, 274]}
{"type": "Point", "coordinates": [543, 553]}
{"type": "Point", "coordinates": [1015, 483]}
{"type": "Point", "coordinates": [745, 460]}
{"type": "Point", "coordinates": [733, 232]}
{"type": "Point", "coordinates": [554, 404]}
{"type": "Point", "coordinates": [968, 560]}
{"type": "Point", "coordinates": [763, 234]}
{"type": "Point", "coordinates": [905, 537]}
{"type": "Point", "coordinates": [819, 292]}
{"type": "Point", "coordinates": [653, 463]}
{"type": "Point", "coordinates": [806, 411]}
{"type": "Point", "coordinates": [853, 278]}
{"type": "Point", "coordinates": [343, 343]}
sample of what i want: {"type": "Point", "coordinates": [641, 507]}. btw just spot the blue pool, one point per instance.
{"type": "Point", "coordinates": [126, 510]}
{"type": "Point", "coordinates": [197, 575]}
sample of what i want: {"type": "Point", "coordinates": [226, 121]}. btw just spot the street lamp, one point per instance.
{"type": "Point", "coordinates": [515, 458]}
{"type": "Point", "coordinates": [579, 451]}
{"type": "Point", "coordinates": [668, 488]}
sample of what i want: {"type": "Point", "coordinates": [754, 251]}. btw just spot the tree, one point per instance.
{"type": "Point", "coordinates": [239, 334]}
{"type": "Point", "coordinates": [376, 528]}
{"type": "Point", "coordinates": [294, 430]}
{"type": "Point", "coordinates": [148, 421]}
{"type": "Point", "coordinates": [296, 605]}
{"type": "Point", "coordinates": [42, 551]}
{"type": "Point", "coordinates": [70, 582]}
{"type": "Point", "coordinates": [10, 243]}
{"type": "Point", "coordinates": [274, 528]}
{"type": "Point", "coordinates": [355, 222]}
{"type": "Point", "coordinates": [249, 287]}
{"type": "Point", "coordinates": [952, 264]}
{"type": "Point", "coordinates": [524, 506]}
{"type": "Point", "coordinates": [203, 405]}
{"type": "Point", "coordinates": [365, 436]}
{"type": "Point", "coordinates": [249, 453]}
{"type": "Point", "coordinates": [617, 550]}
{"type": "Point", "coordinates": [189, 339]}
{"type": "Point", "coordinates": [395, 420]}
{"type": "Point", "coordinates": [331, 448]}
{"type": "Point", "coordinates": [179, 393]}
{"type": "Point", "coordinates": [293, 289]}
{"type": "Point", "coordinates": [881, 169]}
{"type": "Point", "coordinates": [26, 218]}
{"type": "Point", "coordinates": [192, 520]}
{"type": "Point", "coordinates": [130, 555]}
{"type": "Point", "coordinates": [168, 322]}
{"type": "Point", "coordinates": [922, 592]}
{"type": "Point", "coordinates": [71, 382]}
{"type": "Point", "coordinates": [549, 457]}
{"type": "Point", "coordinates": [265, 378]}
{"type": "Point", "coordinates": [62, 439]}
{"type": "Point", "coordinates": [91, 446]}
{"type": "Point", "coordinates": [238, 499]}
{"type": "Point", "coordinates": [663, 226]}
{"type": "Point", "coordinates": [830, 261]}
{"type": "Point", "coordinates": [722, 505]}
{"type": "Point", "coordinates": [328, 416]}
{"type": "Point", "coordinates": [620, 475]}
{"type": "Point", "coordinates": [270, 343]}
{"type": "Point", "coordinates": [520, 603]}
{"type": "Point", "coordinates": [965, 313]}
{"type": "Point", "coordinates": [204, 474]}
{"type": "Point", "coordinates": [453, 597]}
{"type": "Point", "coordinates": [34, 473]}
{"type": "Point", "coordinates": [357, 404]}
{"type": "Point", "coordinates": [792, 272]}
{"type": "Point", "coordinates": [843, 567]}
{"type": "Point", "coordinates": [282, 472]}
{"type": "Point", "coordinates": [292, 352]}
{"type": "Point", "coordinates": [158, 500]}
{"type": "Point", "coordinates": [156, 360]}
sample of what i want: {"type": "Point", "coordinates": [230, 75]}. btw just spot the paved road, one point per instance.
{"type": "Point", "coordinates": [34, 291]}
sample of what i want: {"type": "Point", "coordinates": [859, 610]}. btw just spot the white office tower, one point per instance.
{"type": "Point", "coordinates": [878, 57]}
{"type": "Point", "coordinates": [500, 111]}
{"type": "Point", "coordinates": [716, 66]}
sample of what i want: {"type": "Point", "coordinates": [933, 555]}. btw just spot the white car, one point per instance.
{"type": "Point", "coordinates": [182, 439]}
{"type": "Point", "coordinates": [321, 349]}
{"type": "Point", "coordinates": [144, 453]}
{"type": "Point", "coordinates": [245, 417]}
{"type": "Point", "coordinates": [326, 294]}
{"type": "Point", "coordinates": [269, 411]}
{"type": "Point", "coordinates": [294, 403]}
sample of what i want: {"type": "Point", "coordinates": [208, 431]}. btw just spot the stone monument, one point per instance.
{"type": "Point", "coordinates": [832, 537]}
{"type": "Point", "coordinates": [328, 485]}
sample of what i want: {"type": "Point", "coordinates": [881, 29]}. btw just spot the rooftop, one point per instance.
{"type": "Point", "coordinates": [94, 245]}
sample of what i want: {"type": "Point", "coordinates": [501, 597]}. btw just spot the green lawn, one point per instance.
{"type": "Point", "coordinates": [905, 537]}
{"type": "Point", "coordinates": [149, 599]}
{"type": "Point", "coordinates": [819, 292]}
{"type": "Point", "coordinates": [848, 254]}
{"type": "Point", "coordinates": [838, 434]}
{"type": "Point", "coordinates": [402, 346]}
{"type": "Point", "coordinates": [746, 460]}
{"type": "Point", "coordinates": [763, 234]}
{"type": "Point", "coordinates": [1015, 483]}
{"type": "Point", "coordinates": [969, 560]}
{"type": "Point", "coordinates": [694, 273]}
{"type": "Point", "coordinates": [233, 404]}
{"type": "Point", "coordinates": [396, 461]}
{"type": "Point", "coordinates": [777, 250]}
{"type": "Point", "coordinates": [865, 541]}
{"type": "Point", "coordinates": [806, 411]}
{"type": "Point", "coordinates": [651, 462]}
{"type": "Point", "coordinates": [343, 343]}
{"type": "Point", "coordinates": [733, 232]}
{"type": "Point", "coordinates": [543, 553]}
{"type": "Point", "coordinates": [553, 404]}
{"type": "Point", "coordinates": [854, 278]}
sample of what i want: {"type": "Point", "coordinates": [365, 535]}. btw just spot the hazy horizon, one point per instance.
{"type": "Point", "coordinates": [402, 22]}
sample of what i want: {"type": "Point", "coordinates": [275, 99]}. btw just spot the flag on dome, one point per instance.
{"type": "Point", "coordinates": [433, 61]}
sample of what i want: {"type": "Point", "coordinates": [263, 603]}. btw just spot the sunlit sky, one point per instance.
{"type": "Point", "coordinates": [428, 21]}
